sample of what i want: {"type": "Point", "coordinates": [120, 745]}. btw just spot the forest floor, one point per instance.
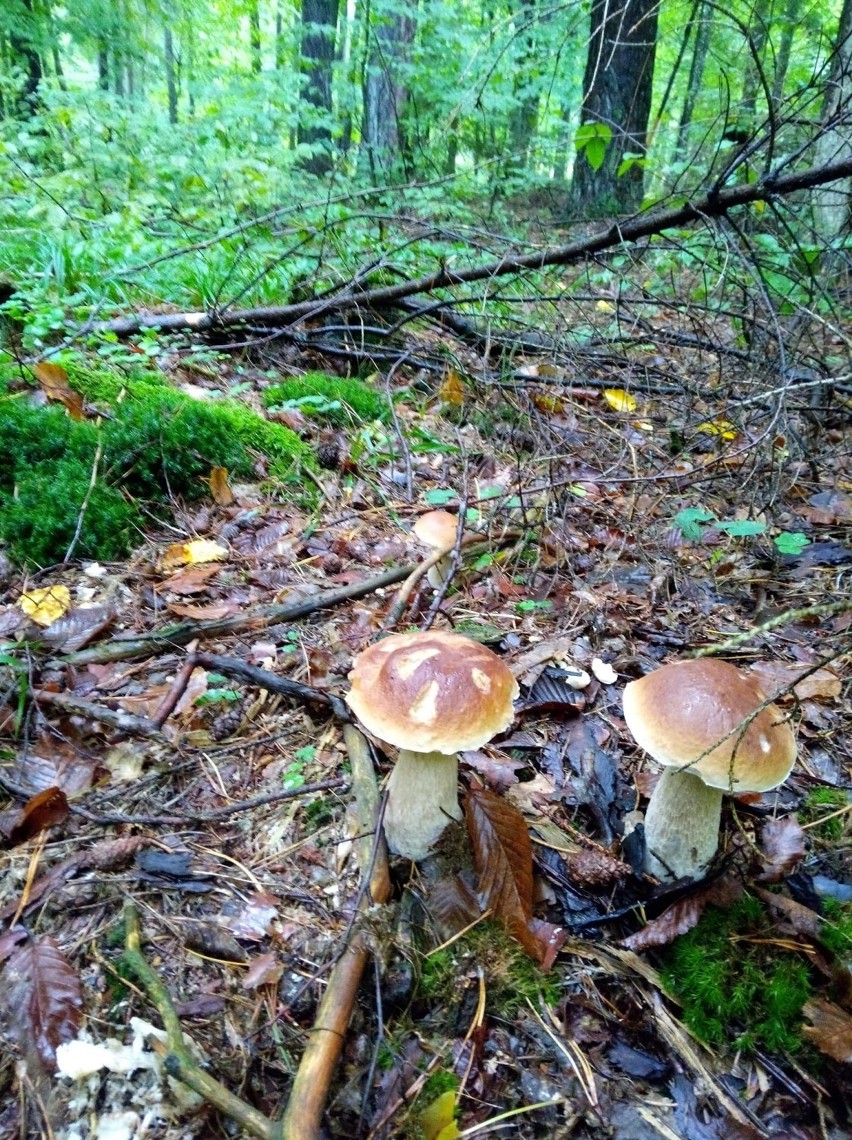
{"type": "Point", "coordinates": [632, 506]}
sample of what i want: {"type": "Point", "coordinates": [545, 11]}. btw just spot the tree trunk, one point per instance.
{"type": "Point", "coordinates": [171, 75]}
{"type": "Point", "coordinates": [703, 31]}
{"type": "Point", "coordinates": [23, 47]}
{"type": "Point", "coordinates": [385, 92]}
{"type": "Point", "coordinates": [757, 32]}
{"type": "Point", "coordinates": [834, 144]}
{"type": "Point", "coordinates": [103, 66]}
{"type": "Point", "coordinates": [319, 31]}
{"type": "Point", "coordinates": [791, 20]}
{"type": "Point", "coordinates": [617, 89]}
{"type": "Point", "coordinates": [280, 43]}
{"type": "Point", "coordinates": [254, 38]}
{"type": "Point", "coordinates": [523, 116]}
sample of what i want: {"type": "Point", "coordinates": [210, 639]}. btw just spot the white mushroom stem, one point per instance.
{"type": "Point", "coordinates": [437, 575]}
{"type": "Point", "coordinates": [422, 799]}
{"type": "Point", "coordinates": [681, 826]}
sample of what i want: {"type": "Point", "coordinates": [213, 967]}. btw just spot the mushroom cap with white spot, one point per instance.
{"type": "Point", "coordinates": [432, 692]}
{"type": "Point", "coordinates": [683, 709]}
{"type": "Point", "coordinates": [437, 528]}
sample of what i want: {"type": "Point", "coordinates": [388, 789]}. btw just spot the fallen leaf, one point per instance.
{"type": "Point", "coordinates": [194, 580]}
{"type": "Point", "coordinates": [220, 488]}
{"type": "Point", "coordinates": [45, 605]}
{"type": "Point", "coordinates": [782, 846]}
{"type": "Point", "coordinates": [683, 915]}
{"type": "Point", "coordinates": [213, 612]}
{"type": "Point", "coordinates": [192, 553]}
{"type": "Point", "coordinates": [437, 1120]}
{"type": "Point", "coordinates": [619, 400]}
{"type": "Point", "coordinates": [723, 428]}
{"type": "Point", "coordinates": [42, 1001]}
{"type": "Point", "coordinates": [830, 1029]}
{"type": "Point", "coordinates": [801, 919]}
{"type": "Point", "coordinates": [775, 676]}
{"type": "Point", "coordinates": [46, 809]}
{"type": "Point", "coordinates": [78, 627]}
{"type": "Point", "coordinates": [265, 970]}
{"type": "Point", "coordinates": [255, 918]}
{"type": "Point", "coordinates": [54, 383]}
{"type": "Point", "coordinates": [452, 905]}
{"type": "Point", "coordinates": [452, 390]}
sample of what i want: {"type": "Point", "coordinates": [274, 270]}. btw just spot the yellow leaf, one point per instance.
{"type": "Point", "coordinates": [54, 383]}
{"type": "Point", "coordinates": [220, 488]}
{"type": "Point", "coordinates": [437, 1120]}
{"type": "Point", "coordinates": [200, 550]}
{"type": "Point", "coordinates": [719, 427]}
{"type": "Point", "coordinates": [619, 400]}
{"type": "Point", "coordinates": [545, 402]}
{"type": "Point", "coordinates": [605, 306]}
{"type": "Point", "coordinates": [452, 389]}
{"type": "Point", "coordinates": [45, 605]}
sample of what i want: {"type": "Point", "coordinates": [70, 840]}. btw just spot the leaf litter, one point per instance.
{"type": "Point", "coordinates": [622, 557]}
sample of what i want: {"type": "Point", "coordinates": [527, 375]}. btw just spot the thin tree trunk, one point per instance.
{"type": "Point", "coordinates": [790, 22]}
{"type": "Point", "coordinates": [704, 29]}
{"type": "Point", "coordinates": [385, 92]}
{"type": "Point", "coordinates": [23, 44]}
{"type": "Point", "coordinates": [523, 117]}
{"type": "Point", "coordinates": [834, 143]}
{"type": "Point", "coordinates": [319, 32]}
{"type": "Point", "coordinates": [171, 75]}
{"type": "Point", "coordinates": [254, 38]}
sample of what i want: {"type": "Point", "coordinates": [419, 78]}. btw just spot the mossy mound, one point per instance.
{"type": "Point", "coordinates": [738, 988]}
{"type": "Point", "coordinates": [330, 399]}
{"type": "Point", "coordinates": [156, 445]}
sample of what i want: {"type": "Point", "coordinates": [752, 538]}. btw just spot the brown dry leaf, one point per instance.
{"type": "Point", "coordinates": [502, 852]}
{"type": "Point", "coordinates": [254, 920]}
{"type": "Point", "coordinates": [684, 914]}
{"type": "Point", "coordinates": [452, 389]}
{"type": "Point", "coordinates": [550, 938]}
{"type": "Point", "coordinates": [831, 1029]}
{"type": "Point", "coordinates": [214, 612]}
{"type": "Point", "coordinates": [46, 809]}
{"type": "Point", "coordinates": [220, 488]}
{"type": "Point", "coordinates": [265, 970]}
{"type": "Point", "coordinates": [54, 383]}
{"type": "Point", "coordinates": [53, 763]}
{"type": "Point", "coordinates": [453, 905]}
{"type": "Point", "coordinates": [78, 627]}
{"type": "Point", "coordinates": [775, 676]}
{"type": "Point", "coordinates": [494, 766]}
{"type": "Point", "coordinates": [802, 919]}
{"type": "Point", "coordinates": [41, 1000]}
{"type": "Point", "coordinates": [194, 580]}
{"type": "Point", "coordinates": [782, 844]}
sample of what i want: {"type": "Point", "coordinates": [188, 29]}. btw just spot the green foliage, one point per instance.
{"type": "Point", "coordinates": [334, 399]}
{"type": "Point", "coordinates": [689, 520]}
{"type": "Point", "coordinates": [836, 930]}
{"type": "Point", "coordinates": [511, 976]}
{"type": "Point", "coordinates": [592, 139]}
{"type": "Point", "coordinates": [156, 444]}
{"type": "Point", "coordinates": [738, 988]}
{"type": "Point", "coordinates": [823, 802]}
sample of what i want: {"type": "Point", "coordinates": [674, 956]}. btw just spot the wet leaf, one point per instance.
{"type": "Point", "coordinates": [41, 1000]}
{"type": "Point", "coordinates": [453, 905]}
{"type": "Point", "coordinates": [46, 809]}
{"type": "Point", "coordinates": [830, 1029]}
{"type": "Point", "coordinates": [683, 915]}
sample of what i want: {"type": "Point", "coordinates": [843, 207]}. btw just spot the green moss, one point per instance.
{"type": "Point", "coordinates": [157, 445]}
{"type": "Point", "coordinates": [836, 930]}
{"type": "Point", "coordinates": [332, 399]}
{"type": "Point", "coordinates": [511, 976]}
{"type": "Point", "coordinates": [820, 803]}
{"type": "Point", "coordinates": [438, 1083]}
{"type": "Point", "coordinates": [738, 988]}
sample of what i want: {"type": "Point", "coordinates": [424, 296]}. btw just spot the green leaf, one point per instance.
{"type": "Point", "coordinates": [788, 542]}
{"type": "Point", "coordinates": [741, 528]}
{"type": "Point", "coordinates": [439, 496]}
{"type": "Point", "coordinates": [687, 520]}
{"type": "Point", "coordinates": [593, 139]}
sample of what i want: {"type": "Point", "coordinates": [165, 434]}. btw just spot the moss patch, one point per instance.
{"type": "Point", "coordinates": [824, 802]}
{"type": "Point", "coordinates": [156, 445]}
{"type": "Point", "coordinates": [331, 399]}
{"type": "Point", "coordinates": [737, 986]}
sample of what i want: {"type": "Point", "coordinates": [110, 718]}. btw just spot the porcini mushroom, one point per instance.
{"type": "Point", "coordinates": [432, 695]}
{"type": "Point", "coordinates": [438, 529]}
{"type": "Point", "coordinates": [697, 719]}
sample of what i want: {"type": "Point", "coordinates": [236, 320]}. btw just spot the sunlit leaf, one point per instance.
{"type": "Point", "coordinates": [437, 1120]}
{"type": "Point", "coordinates": [452, 389]}
{"type": "Point", "coordinates": [45, 605]}
{"type": "Point", "coordinates": [54, 383]}
{"type": "Point", "coordinates": [619, 400]}
{"type": "Point", "coordinates": [723, 428]}
{"type": "Point", "coordinates": [220, 488]}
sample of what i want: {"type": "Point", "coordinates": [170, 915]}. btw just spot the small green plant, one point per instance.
{"type": "Point", "coordinates": [333, 399]}
{"type": "Point", "coordinates": [822, 802]}
{"type": "Point", "coordinates": [737, 986]}
{"type": "Point", "coordinates": [690, 520]}
{"type": "Point", "coordinates": [294, 774]}
{"type": "Point", "coordinates": [531, 605]}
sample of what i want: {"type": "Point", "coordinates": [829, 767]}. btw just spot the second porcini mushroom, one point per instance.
{"type": "Point", "coordinates": [438, 529]}
{"type": "Point", "coordinates": [432, 695]}
{"type": "Point", "coordinates": [698, 719]}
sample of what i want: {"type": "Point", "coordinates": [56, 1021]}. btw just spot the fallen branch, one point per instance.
{"type": "Point", "coordinates": [180, 634]}
{"type": "Point", "coordinates": [714, 204]}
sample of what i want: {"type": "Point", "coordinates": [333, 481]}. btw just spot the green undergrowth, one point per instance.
{"type": "Point", "coordinates": [511, 976]}
{"type": "Point", "coordinates": [336, 400]}
{"type": "Point", "coordinates": [821, 810]}
{"type": "Point", "coordinates": [153, 446]}
{"type": "Point", "coordinates": [738, 987]}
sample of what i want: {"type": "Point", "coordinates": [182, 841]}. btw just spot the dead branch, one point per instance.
{"type": "Point", "coordinates": [716, 203]}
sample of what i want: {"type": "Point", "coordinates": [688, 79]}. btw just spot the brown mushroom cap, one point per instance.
{"type": "Point", "coordinates": [680, 710]}
{"type": "Point", "coordinates": [432, 692]}
{"type": "Point", "coordinates": [437, 528]}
